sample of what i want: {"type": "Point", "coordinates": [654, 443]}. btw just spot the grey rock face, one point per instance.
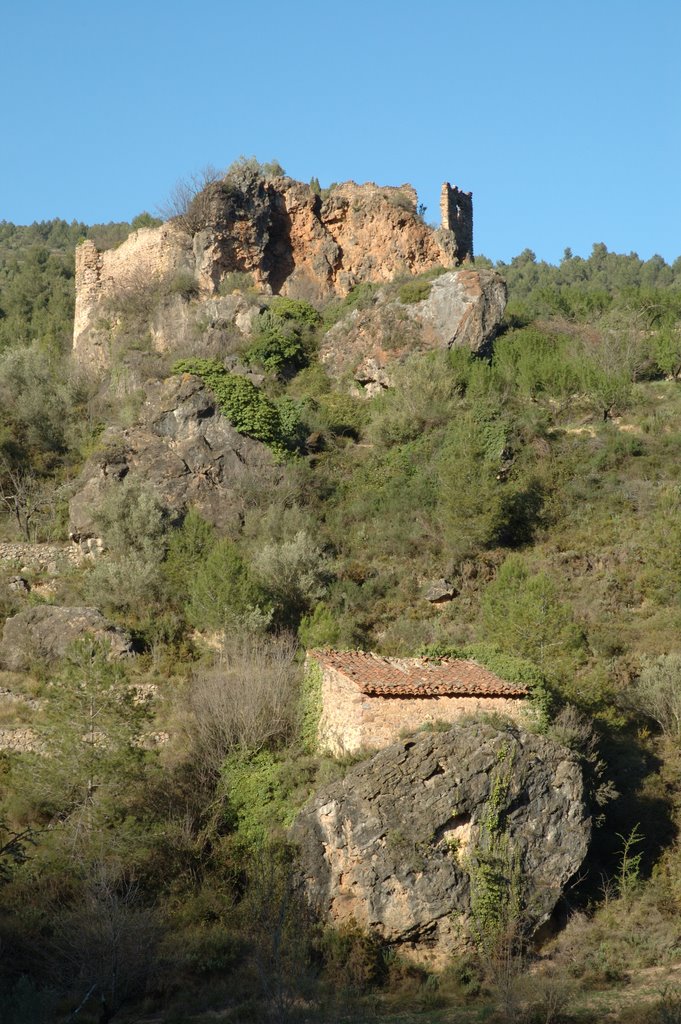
{"type": "Point", "coordinates": [45, 632]}
{"type": "Point", "coordinates": [463, 310]}
{"type": "Point", "coordinates": [391, 846]}
{"type": "Point", "coordinates": [183, 449]}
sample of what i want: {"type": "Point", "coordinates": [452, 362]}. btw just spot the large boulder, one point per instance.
{"type": "Point", "coordinates": [46, 631]}
{"type": "Point", "coordinates": [400, 845]}
{"type": "Point", "coordinates": [463, 309]}
{"type": "Point", "coordinates": [183, 449]}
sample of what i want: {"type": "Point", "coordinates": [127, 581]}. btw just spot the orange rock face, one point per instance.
{"type": "Point", "coordinates": [291, 240]}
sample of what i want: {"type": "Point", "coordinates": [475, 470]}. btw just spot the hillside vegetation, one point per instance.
{"type": "Point", "coordinates": [543, 482]}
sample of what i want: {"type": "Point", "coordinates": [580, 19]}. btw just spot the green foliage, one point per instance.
{"type": "Point", "coordinates": [354, 960]}
{"type": "Point", "coordinates": [264, 794]}
{"type": "Point", "coordinates": [237, 281]}
{"type": "Point", "coordinates": [581, 288]}
{"type": "Point", "coordinates": [222, 594]}
{"type": "Point", "coordinates": [361, 296]}
{"type": "Point", "coordinates": [91, 733]}
{"type": "Point", "coordinates": [188, 546]}
{"type": "Point", "coordinates": [293, 574]}
{"type": "Point", "coordinates": [319, 629]}
{"type": "Point", "coordinates": [629, 867]}
{"type": "Point", "coordinates": [523, 614]}
{"type": "Point", "coordinates": [667, 350]}
{"type": "Point", "coordinates": [133, 525]}
{"type": "Point", "coordinates": [247, 408]}
{"type": "Point", "coordinates": [130, 519]}
{"type": "Point", "coordinates": [656, 692]}
{"type": "Point", "coordinates": [145, 220]}
{"type": "Point", "coordinates": [184, 284]}
{"type": "Point", "coordinates": [256, 796]}
{"type": "Point", "coordinates": [414, 291]}
{"type": "Point", "coordinates": [252, 166]}
{"type": "Point", "coordinates": [283, 336]}
{"type": "Point", "coordinates": [40, 406]}
{"type": "Point", "coordinates": [535, 363]}
{"type": "Point", "coordinates": [494, 871]}
{"type": "Point", "coordinates": [310, 705]}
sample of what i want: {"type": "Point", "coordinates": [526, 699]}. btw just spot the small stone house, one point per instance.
{"type": "Point", "coordinates": [368, 701]}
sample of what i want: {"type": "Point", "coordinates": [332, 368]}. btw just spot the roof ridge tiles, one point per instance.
{"type": "Point", "coordinates": [381, 675]}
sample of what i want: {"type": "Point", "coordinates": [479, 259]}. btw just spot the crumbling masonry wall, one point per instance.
{"type": "Point", "coordinates": [456, 210]}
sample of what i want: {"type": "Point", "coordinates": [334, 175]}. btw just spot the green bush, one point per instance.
{"type": "Point", "coordinates": [222, 594]}
{"type": "Point", "coordinates": [184, 284]}
{"type": "Point", "coordinates": [414, 291]}
{"type": "Point", "coordinates": [283, 340]}
{"type": "Point", "coordinates": [247, 408]}
{"type": "Point", "coordinates": [293, 574]}
{"type": "Point", "coordinates": [237, 281]}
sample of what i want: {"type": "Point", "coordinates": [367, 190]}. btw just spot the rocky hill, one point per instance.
{"type": "Point", "coordinates": [289, 239]}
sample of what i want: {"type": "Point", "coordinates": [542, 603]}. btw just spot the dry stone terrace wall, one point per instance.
{"type": "Point", "coordinates": [41, 557]}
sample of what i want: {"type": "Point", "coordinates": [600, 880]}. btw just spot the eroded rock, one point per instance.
{"type": "Point", "coordinates": [183, 449]}
{"type": "Point", "coordinates": [391, 846]}
{"type": "Point", "coordinates": [46, 631]}
{"type": "Point", "coordinates": [464, 309]}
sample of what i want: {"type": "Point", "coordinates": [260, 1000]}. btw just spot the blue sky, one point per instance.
{"type": "Point", "coordinates": [563, 119]}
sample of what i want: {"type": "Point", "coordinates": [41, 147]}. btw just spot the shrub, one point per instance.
{"type": "Point", "coordinates": [247, 408]}
{"type": "Point", "coordinates": [184, 284]}
{"type": "Point", "coordinates": [293, 574]}
{"type": "Point", "coordinates": [656, 692]}
{"type": "Point", "coordinates": [187, 547]}
{"type": "Point", "coordinates": [133, 524]}
{"type": "Point", "coordinates": [236, 281]}
{"type": "Point", "coordinates": [524, 615]}
{"type": "Point", "coordinates": [131, 520]}
{"type": "Point", "coordinates": [222, 594]}
{"type": "Point", "coordinates": [414, 291]}
{"type": "Point", "coordinates": [125, 583]}
{"type": "Point", "coordinates": [145, 220]}
{"type": "Point", "coordinates": [247, 701]}
{"type": "Point", "coordinates": [283, 340]}
{"type": "Point", "coordinates": [320, 629]}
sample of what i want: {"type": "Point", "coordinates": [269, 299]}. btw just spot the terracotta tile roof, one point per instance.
{"type": "Point", "coordinates": [417, 677]}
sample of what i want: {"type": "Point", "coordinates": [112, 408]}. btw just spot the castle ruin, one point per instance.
{"type": "Point", "coordinates": [456, 212]}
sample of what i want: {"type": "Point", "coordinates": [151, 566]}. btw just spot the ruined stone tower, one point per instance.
{"type": "Point", "coordinates": [456, 209]}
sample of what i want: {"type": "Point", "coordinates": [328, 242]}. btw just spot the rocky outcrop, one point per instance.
{"type": "Point", "coordinates": [289, 239]}
{"type": "Point", "coordinates": [46, 631]}
{"type": "Point", "coordinates": [464, 309]}
{"type": "Point", "coordinates": [183, 449]}
{"type": "Point", "coordinates": [397, 845]}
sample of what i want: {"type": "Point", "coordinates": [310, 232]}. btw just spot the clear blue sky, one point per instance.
{"type": "Point", "coordinates": [563, 118]}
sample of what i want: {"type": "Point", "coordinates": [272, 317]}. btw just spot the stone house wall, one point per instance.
{"type": "Point", "coordinates": [352, 721]}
